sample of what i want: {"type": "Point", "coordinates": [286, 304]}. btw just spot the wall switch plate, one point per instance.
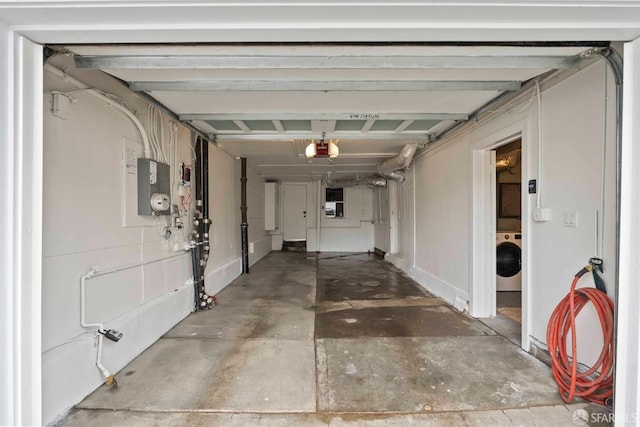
{"type": "Point", "coordinates": [541, 214]}
{"type": "Point", "coordinates": [570, 219]}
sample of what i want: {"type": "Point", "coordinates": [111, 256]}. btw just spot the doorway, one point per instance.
{"type": "Point", "coordinates": [508, 173]}
{"type": "Point", "coordinates": [294, 212]}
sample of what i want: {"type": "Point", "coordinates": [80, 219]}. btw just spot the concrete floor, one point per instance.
{"type": "Point", "coordinates": [329, 339]}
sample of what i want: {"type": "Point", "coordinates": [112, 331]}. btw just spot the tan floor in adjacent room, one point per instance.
{"type": "Point", "coordinates": [329, 339]}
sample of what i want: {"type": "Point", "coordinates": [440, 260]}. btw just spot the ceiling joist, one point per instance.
{"type": "Point", "coordinates": [310, 135]}
{"type": "Point", "coordinates": [180, 62]}
{"type": "Point", "coordinates": [325, 86]}
{"type": "Point", "coordinates": [322, 116]}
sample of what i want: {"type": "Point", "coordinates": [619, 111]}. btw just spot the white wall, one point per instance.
{"type": "Point", "coordinates": [353, 233]}
{"type": "Point", "coordinates": [83, 228]}
{"type": "Point", "coordinates": [225, 261]}
{"type": "Point", "coordinates": [403, 258]}
{"type": "Point", "coordinates": [573, 125]}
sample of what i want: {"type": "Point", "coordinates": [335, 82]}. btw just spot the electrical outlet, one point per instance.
{"type": "Point", "coordinates": [541, 214]}
{"type": "Point", "coordinates": [570, 219]}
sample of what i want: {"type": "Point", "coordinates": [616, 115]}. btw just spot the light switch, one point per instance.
{"type": "Point", "coordinates": [570, 219]}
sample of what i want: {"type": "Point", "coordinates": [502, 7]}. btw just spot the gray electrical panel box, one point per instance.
{"type": "Point", "coordinates": [153, 188]}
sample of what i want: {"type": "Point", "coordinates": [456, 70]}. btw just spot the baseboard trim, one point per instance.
{"type": "Point", "coordinates": [218, 279]}
{"type": "Point", "coordinates": [454, 296]}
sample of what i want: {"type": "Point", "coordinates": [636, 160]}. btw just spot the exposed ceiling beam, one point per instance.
{"type": "Point", "coordinates": [367, 126]}
{"type": "Point", "coordinates": [323, 116]}
{"type": "Point", "coordinates": [359, 155]}
{"type": "Point", "coordinates": [278, 125]}
{"type": "Point", "coordinates": [317, 165]}
{"type": "Point", "coordinates": [288, 136]}
{"type": "Point", "coordinates": [325, 86]}
{"type": "Point", "coordinates": [242, 125]}
{"type": "Point", "coordinates": [172, 62]}
{"type": "Point", "coordinates": [404, 125]}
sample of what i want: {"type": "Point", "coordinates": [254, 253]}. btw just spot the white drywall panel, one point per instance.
{"type": "Point", "coordinates": [224, 208]}
{"type": "Point", "coordinates": [83, 197]}
{"type": "Point", "coordinates": [347, 239]}
{"type": "Point", "coordinates": [442, 216]}
{"type": "Point", "coordinates": [354, 232]}
{"type": "Point", "coordinates": [573, 118]}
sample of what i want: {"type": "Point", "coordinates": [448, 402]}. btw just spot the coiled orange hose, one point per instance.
{"type": "Point", "coordinates": [596, 383]}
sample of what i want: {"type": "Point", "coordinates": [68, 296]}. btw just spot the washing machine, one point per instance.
{"type": "Point", "coordinates": [509, 261]}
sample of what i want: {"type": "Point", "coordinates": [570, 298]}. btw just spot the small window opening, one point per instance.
{"type": "Point", "coordinates": [334, 203]}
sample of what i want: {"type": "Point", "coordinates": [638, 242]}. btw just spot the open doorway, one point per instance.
{"type": "Point", "coordinates": [509, 239]}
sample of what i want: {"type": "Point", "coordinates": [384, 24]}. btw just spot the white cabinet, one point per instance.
{"type": "Point", "coordinates": [271, 213]}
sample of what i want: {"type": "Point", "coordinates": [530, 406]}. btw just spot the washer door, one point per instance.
{"type": "Point", "coordinates": [508, 259]}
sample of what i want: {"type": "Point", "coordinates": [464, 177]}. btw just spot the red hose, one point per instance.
{"type": "Point", "coordinates": [596, 383]}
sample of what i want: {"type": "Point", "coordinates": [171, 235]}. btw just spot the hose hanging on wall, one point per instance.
{"type": "Point", "coordinates": [595, 383]}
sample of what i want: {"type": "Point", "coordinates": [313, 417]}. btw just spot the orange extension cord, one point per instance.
{"type": "Point", "coordinates": [596, 383]}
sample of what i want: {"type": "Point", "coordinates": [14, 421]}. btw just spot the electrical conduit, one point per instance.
{"type": "Point", "coordinates": [110, 102]}
{"type": "Point", "coordinates": [100, 327]}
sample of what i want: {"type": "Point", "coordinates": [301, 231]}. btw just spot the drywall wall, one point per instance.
{"type": "Point", "coordinates": [353, 233]}
{"type": "Point", "coordinates": [88, 222]}
{"type": "Point", "coordinates": [225, 262]}
{"type": "Point", "coordinates": [404, 205]}
{"type": "Point", "coordinates": [84, 186]}
{"type": "Point", "coordinates": [573, 123]}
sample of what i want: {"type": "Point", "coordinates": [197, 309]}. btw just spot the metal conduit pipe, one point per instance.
{"type": "Point", "coordinates": [401, 162]}
{"type": "Point", "coordinates": [244, 227]}
{"type": "Point", "coordinates": [371, 181]}
{"type": "Point", "coordinates": [615, 61]}
{"type": "Point", "coordinates": [201, 223]}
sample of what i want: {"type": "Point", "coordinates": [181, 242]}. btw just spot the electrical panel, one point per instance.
{"type": "Point", "coordinates": [154, 187]}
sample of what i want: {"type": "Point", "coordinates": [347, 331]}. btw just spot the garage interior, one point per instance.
{"type": "Point", "coordinates": [249, 115]}
{"type": "Point", "coordinates": [354, 216]}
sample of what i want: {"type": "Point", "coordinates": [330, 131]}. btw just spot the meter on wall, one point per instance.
{"type": "Point", "coordinates": [153, 188]}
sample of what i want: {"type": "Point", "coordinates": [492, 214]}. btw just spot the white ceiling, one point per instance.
{"type": "Point", "coordinates": [266, 102]}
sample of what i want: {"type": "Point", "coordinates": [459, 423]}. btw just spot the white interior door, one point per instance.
{"type": "Point", "coordinates": [295, 212]}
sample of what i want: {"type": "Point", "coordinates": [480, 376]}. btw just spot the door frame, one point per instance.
{"type": "Point", "coordinates": [284, 201]}
{"type": "Point", "coordinates": [482, 301]}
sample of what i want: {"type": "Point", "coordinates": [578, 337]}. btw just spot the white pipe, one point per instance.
{"type": "Point", "coordinates": [83, 282]}
{"type": "Point", "coordinates": [539, 189]}
{"type": "Point", "coordinates": [110, 102]}
{"type": "Point", "coordinates": [100, 326]}
{"type": "Point", "coordinates": [99, 364]}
